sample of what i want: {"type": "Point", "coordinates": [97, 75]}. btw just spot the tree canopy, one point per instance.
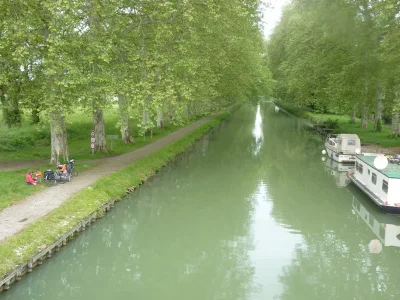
{"type": "Point", "coordinates": [174, 58]}
{"type": "Point", "coordinates": [340, 55]}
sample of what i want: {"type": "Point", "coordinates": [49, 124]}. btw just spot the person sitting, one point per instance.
{"type": "Point", "coordinates": [38, 177]}
{"type": "Point", "coordinates": [62, 169]}
{"type": "Point", "coordinates": [29, 179]}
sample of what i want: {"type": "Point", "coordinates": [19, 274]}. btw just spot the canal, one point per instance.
{"type": "Point", "coordinates": [250, 212]}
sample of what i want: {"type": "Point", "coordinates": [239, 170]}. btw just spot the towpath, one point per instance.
{"type": "Point", "coordinates": [32, 164]}
{"type": "Point", "coordinates": [20, 215]}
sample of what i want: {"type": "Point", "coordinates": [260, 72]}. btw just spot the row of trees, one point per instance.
{"type": "Point", "coordinates": [340, 55]}
{"type": "Point", "coordinates": [154, 58]}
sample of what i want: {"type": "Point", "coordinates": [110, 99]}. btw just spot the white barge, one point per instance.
{"type": "Point", "coordinates": [343, 147]}
{"type": "Point", "coordinates": [380, 183]}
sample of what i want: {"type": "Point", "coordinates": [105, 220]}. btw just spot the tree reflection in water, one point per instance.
{"type": "Point", "coordinates": [183, 235]}
{"type": "Point", "coordinates": [334, 262]}
{"type": "Point", "coordinates": [222, 223]}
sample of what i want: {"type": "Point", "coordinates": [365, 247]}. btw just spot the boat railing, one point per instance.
{"type": "Point", "coordinates": [331, 136]}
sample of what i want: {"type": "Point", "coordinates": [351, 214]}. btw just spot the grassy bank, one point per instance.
{"type": "Point", "coordinates": [14, 189]}
{"type": "Point", "coordinates": [22, 246]}
{"type": "Point", "coordinates": [12, 183]}
{"type": "Point", "coordinates": [32, 142]}
{"type": "Point", "coordinates": [367, 135]}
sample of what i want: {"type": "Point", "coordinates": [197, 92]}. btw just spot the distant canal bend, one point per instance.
{"type": "Point", "coordinates": [250, 212]}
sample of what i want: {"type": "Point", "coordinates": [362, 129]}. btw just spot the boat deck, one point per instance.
{"type": "Point", "coordinates": [391, 171]}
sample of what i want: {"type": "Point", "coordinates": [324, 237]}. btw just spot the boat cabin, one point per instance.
{"type": "Point", "coordinates": [382, 186]}
{"type": "Point", "coordinates": [344, 143]}
{"type": "Point", "coordinates": [343, 147]}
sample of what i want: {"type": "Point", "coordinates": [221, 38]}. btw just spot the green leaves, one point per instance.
{"type": "Point", "coordinates": [175, 57]}
{"type": "Point", "coordinates": [335, 54]}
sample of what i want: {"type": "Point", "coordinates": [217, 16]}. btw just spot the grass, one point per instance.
{"type": "Point", "coordinates": [12, 183]}
{"type": "Point", "coordinates": [32, 142]}
{"type": "Point", "coordinates": [14, 189]}
{"type": "Point", "coordinates": [367, 135]}
{"type": "Point", "coordinates": [26, 243]}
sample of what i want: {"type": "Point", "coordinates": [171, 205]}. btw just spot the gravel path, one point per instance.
{"type": "Point", "coordinates": [18, 216]}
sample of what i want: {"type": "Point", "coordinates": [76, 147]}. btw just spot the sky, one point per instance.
{"type": "Point", "coordinates": [272, 14]}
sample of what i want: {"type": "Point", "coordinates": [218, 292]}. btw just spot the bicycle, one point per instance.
{"type": "Point", "coordinates": [49, 178]}
{"type": "Point", "coordinates": [53, 177]}
{"type": "Point", "coordinates": [71, 166]}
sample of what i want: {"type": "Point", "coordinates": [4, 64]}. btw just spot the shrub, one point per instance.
{"type": "Point", "coordinates": [379, 125]}
{"type": "Point", "coordinates": [332, 124]}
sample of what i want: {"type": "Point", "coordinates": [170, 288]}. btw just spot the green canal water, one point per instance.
{"type": "Point", "coordinates": [250, 212]}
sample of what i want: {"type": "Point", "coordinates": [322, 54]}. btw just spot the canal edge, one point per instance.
{"type": "Point", "coordinates": [19, 271]}
{"type": "Point", "coordinates": [309, 124]}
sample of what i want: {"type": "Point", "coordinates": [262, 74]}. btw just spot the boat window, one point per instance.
{"type": "Point", "coordinates": [385, 186]}
{"type": "Point", "coordinates": [369, 172]}
{"type": "Point", "coordinates": [351, 142]}
{"type": "Point", "coordinates": [373, 179]}
{"type": "Point", "coordinates": [359, 168]}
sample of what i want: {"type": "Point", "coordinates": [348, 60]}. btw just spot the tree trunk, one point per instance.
{"type": "Point", "coordinates": [379, 108]}
{"type": "Point", "coordinates": [170, 114]}
{"type": "Point", "coordinates": [395, 116]}
{"type": "Point", "coordinates": [59, 144]}
{"type": "Point", "coordinates": [35, 113]}
{"type": "Point", "coordinates": [364, 114]}
{"type": "Point", "coordinates": [160, 118]}
{"type": "Point", "coordinates": [353, 117]}
{"type": "Point", "coordinates": [395, 124]}
{"type": "Point", "coordinates": [145, 119]}
{"type": "Point", "coordinates": [187, 113]}
{"type": "Point", "coordinates": [146, 124]}
{"type": "Point", "coordinates": [194, 109]}
{"type": "Point", "coordinates": [126, 134]}
{"type": "Point", "coordinates": [99, 129]}
{"type": "Point", "coordinates": [11, 111]}
{"type": "Point", "coordinates": [3, 103]}
{"type": "Point", "coordinates": [364, 117]}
